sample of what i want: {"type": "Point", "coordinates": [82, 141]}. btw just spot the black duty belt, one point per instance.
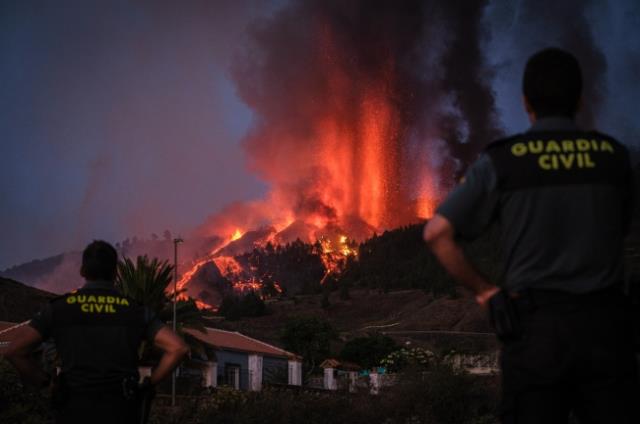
{"type": "Point", "coordinates": [507, 309]}
{"type": "Point", "coordinates": [123, 386]}
{"type": "Point", "coordinates": [530, 299]}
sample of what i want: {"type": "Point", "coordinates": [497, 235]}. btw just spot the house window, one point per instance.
{"type": "Point", "coordinates": [232, 375]}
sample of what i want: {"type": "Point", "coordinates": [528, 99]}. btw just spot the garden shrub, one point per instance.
{"type": "Point", "coordinates": [18, 404]}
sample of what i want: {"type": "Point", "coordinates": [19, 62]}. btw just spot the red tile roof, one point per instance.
{"type": "Point", "coordinates": [5, 324]}
{"type": "Point", "coordinates": [6, 330]}
{"type": "Point", "coordinates": [341, 365]}
{"type": "Point", "coordinates": [214, 337]}
{"type": "Point", "coordinates": [231, 340]}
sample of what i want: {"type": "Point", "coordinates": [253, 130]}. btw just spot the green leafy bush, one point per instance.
{"type": "Point", "coordinates": [441, 395]}
{"type": "Point", "coordinates": [368, 351]}
{"type": "Point", "coordinates": [17, 404]}
{"type": "Point", "coordinates": [416, 357]}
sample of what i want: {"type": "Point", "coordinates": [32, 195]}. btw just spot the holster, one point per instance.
{"type": "Point", "coordinates": [504, 317]}
{"type": "Point", "coordinates": [130, 388]}
{"type": "Point", "coordinates": [142, 394]}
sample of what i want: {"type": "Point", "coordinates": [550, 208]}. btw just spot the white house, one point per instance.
{"type": "Point", "coordinates": [245, 363]}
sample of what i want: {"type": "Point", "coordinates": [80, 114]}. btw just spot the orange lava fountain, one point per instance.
{"type": "Point", "coordinates": [344, 173]}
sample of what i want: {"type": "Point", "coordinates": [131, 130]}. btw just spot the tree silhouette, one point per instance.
{"type": "Point", "coordinates": [309, 337]}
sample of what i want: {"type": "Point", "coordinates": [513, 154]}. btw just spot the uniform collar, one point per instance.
{"type": "Point", "coordinates": [98, 284]}
{"type": "Point", "coordinates": [554, 123]}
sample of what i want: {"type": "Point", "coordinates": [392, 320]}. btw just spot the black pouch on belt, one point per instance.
{"type": "Point", "coordinates": [130, 388]}
{"type": "Point", "coordinates": [504, 317]}
{"type": "Point", "coordinates": [59, 392]}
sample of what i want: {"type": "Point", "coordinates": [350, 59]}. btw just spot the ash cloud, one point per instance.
{"type": "Point", "coordinates": [468, 78]}
{"type": "Point", "coordinates": [417, 64]}
{"type": "Point", "coordinates": [521, 28]}
{"type": "Point", "coordinates": [566, 24]}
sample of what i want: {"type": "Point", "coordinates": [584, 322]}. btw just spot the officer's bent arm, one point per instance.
{"type": "Point", "coordinates": [20, 354]}
{"type": "Point", "coordinates": [174, 349]}
{"type": "Point", "coordinates": [440, 236]}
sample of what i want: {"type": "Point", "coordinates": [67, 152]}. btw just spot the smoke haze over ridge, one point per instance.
{"type": "Point", "coordinates": [122, 119]}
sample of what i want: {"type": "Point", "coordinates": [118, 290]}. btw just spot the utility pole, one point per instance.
{"type": "Point", "coordinates": [176, 241]}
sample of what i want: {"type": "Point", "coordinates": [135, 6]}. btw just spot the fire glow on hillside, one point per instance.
{"type": "Point", "coordinates": [334, 254]}
{"type": "Point", "coordinates": [359, 125]}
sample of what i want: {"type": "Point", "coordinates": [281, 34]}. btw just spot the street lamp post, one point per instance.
{"type": "Point", "coordinates": [176, 241]}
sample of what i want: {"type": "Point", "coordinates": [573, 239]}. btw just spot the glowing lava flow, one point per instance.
{"type": "Point", "coordinates": [237, 234]}
{"type": "Point", "coordinates": [334, 254]}
{"type": "Point", "coordinates": [255, 285]}
{"type": "Point", "coordinates": [333, 258]}
{"type": "Point", "coordinates": [187, 276]}
{"type": "Point", "coordinates": [230, 269]}
{"type": "Point", "coordinates": [228, 266]}
{"type": "Point", "coordinates": [201, 305]}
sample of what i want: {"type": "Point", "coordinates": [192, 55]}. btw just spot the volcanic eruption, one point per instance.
{"type": "Point", "coordinates": [362, 120]}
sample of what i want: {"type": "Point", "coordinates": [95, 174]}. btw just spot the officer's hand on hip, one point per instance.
{"type": "Point", "coordinates": [483, 297]}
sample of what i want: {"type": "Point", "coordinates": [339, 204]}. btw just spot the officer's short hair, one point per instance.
{"type": "Point", "coordinates": [552, 83]}
{"type": "Point", "coordinates": [99, 261]}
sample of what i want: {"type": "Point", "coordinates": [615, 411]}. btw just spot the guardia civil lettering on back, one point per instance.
{"type": "Point", "coordinates": [97, 333]}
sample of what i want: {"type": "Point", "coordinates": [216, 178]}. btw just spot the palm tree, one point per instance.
{"type": "Point", "coordinates": [145, 281]}
{"type": "Point", "coordinates": [148, 282]}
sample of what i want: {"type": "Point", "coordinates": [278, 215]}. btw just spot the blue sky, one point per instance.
{"type": "Point", "coordinates": [120, 119]}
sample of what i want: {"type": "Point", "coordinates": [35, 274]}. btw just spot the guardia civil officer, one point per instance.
{"type": "Point", "coordinates": [97, 332]}
{"type": "Point", "coordinates": [562, 197]}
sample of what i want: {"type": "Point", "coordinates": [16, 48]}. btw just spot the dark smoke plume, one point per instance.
{"type": "Point", "coordinates": [468, 78]}
{"type": "Point", "coordinates": [416, 64]}
{"type": "Point", "coordinates": [436, 46]}
{"type": "Point", "coordinates": [539, 24]}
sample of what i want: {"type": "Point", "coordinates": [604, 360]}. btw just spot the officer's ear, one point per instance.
{"type": "Point", "coordinates": [530, 112]}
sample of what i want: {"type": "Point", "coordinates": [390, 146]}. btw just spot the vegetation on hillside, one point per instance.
{"type": "Point", "coordinates": [396, 259]}
{"type": "Point", "coordinates": [296, 266]}
{"type": "Point", "coordinates": [234, 307]}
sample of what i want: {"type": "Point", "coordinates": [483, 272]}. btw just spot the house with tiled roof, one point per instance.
{"type": "Point", "coordinates": [6, 332]}
{"type": "Point", "coordinates": [245, 363]}
{"type": "Point", "coordinates": [229, 358]}
{"type": "Point", "coordinates": [339, 373]}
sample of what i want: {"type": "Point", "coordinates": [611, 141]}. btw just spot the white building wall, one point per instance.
{"type": "Point", "coordinates": [353, 378]}
{"type": "Point", "coordinates": [375, 381]}
{"type": "Point", "coordinates": [255, 372]}
{"type": "Point", "coordinates": [210, 374]}
{"type": "Point", "coordinates": [330, 382]}
{"type": "Point", "coordinates": [295, 373]}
